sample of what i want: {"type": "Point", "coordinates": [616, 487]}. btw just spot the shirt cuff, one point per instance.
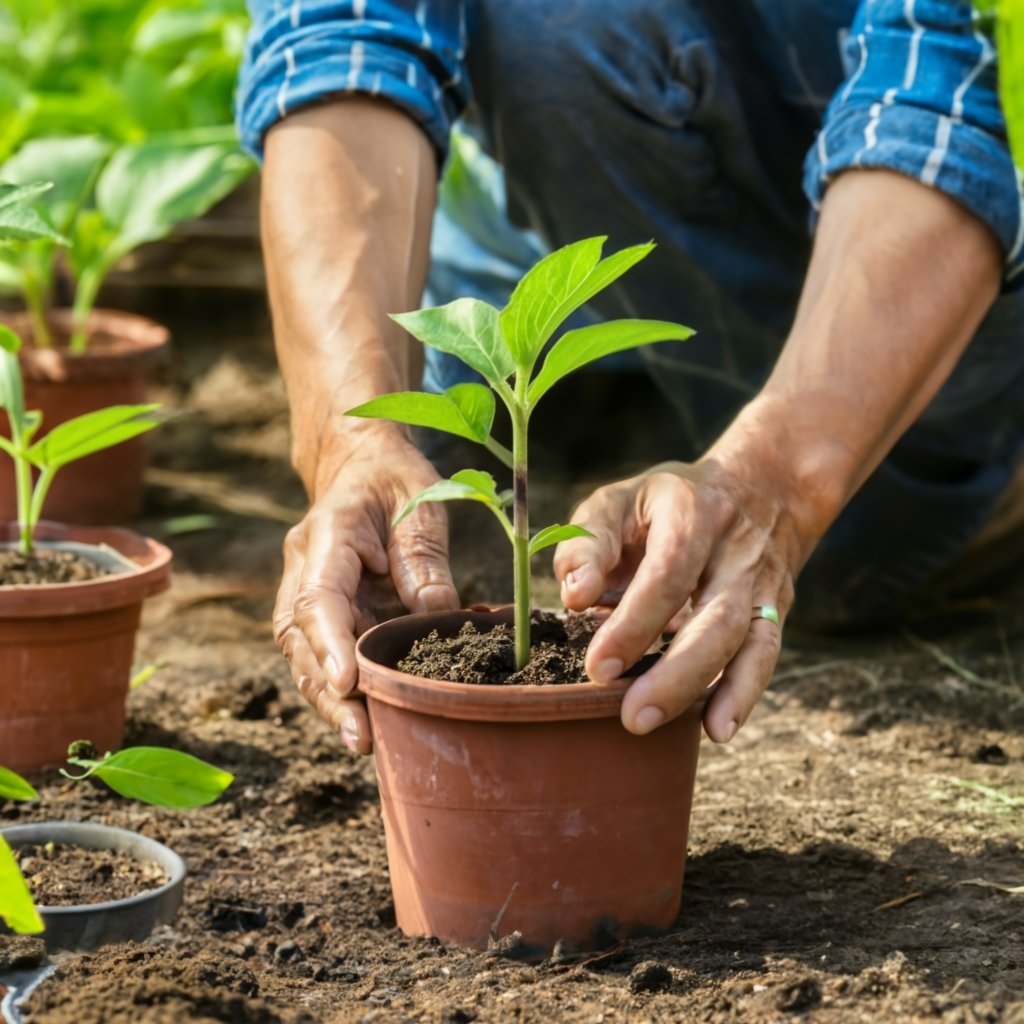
{"type": "Point", "coordinates": [966, 162]}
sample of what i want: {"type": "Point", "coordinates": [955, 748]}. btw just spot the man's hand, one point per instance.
{"type": "Point", "coordinates": [900, 278]}
{"type": "Point", "coordinates": [698, 550]}
{"type": "Point", "coordinates": [346, 569]}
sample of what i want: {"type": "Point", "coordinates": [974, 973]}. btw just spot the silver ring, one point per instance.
{"type": "Point", "coordinates": [765, 611]}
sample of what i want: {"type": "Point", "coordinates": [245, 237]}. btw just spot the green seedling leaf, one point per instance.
{"type": "Point", "coordinates": [144, 191]}
{"type": "Point", "coordinates": [19, 221]}
{"type": "Point", "coordinates": [17, 908]}
{"type": "Point", "coordinates": [484, 483]}
{"type": "Point", "coordinates": [466, 410]}
{"type": "Point", "coordinates": [577, 348]}
{"type": "Point", "coordinates": [14, 787]}
{"type": "Point", "coordinates": [468, 329]}
{"type": "Point", "coordinates": [71, 163]}
{"type": "Point", "coordinates": [165, 778]}
{"type": "Point", "coordinates": [91, 432]}
{"type": "Point", "coordinates": [555, 535]}
{"type": "Point", "coordinates": [466, 485]}
{"type": "Point", "coordinates": [556, 287]}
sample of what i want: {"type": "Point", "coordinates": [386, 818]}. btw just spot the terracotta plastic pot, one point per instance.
{"type": "Point", "coordinates": [66, 650]}
{"type": "Point", "coordinates": [522, 808]}
{"type": "Point", "coordinates": [85, 926]}
{"type": "Point", "coordinates": [123, 348]}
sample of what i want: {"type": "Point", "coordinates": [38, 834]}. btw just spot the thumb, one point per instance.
{"type": "Point", "coordinates": [418, 554]}
{"type": "Point", "coordinates": [584, 564]}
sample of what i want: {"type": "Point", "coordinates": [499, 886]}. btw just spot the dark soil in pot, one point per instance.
{"type": "Point", "coordinates": [557, 652]}
{"type": "Point", "coordinates": [63, 875]}
{"type": "Point", "coordinates": [47, 566]}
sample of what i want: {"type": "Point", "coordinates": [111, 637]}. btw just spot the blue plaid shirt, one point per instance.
{"type": "Point", "coordinates": [920, 97]}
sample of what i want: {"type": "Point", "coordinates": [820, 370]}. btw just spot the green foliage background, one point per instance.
{"type": "Point", "coordinates": [1004, 21]}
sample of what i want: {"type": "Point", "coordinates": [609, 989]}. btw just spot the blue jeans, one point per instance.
{"type": "Point", "coordinates": [682, 122]}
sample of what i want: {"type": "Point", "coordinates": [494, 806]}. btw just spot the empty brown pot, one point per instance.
{"type": "Point", "coordinates": [105, 487]}
{"type": "Point", "coordinates": [66, 650]}
{"type": "Point", "coordinates": [524, 809]}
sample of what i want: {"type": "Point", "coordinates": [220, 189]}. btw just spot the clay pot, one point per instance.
{"type": "Point", "coordinates": [66, 650]}
{"type": "Point", "coordinates": [86, 926]}
{"type": "Point", "coordinates": [105, 487]}
{"type": "Point", "coordinates": [523, 808]}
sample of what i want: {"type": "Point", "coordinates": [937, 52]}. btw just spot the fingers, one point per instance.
{"type": "Point", "coordinates": [584, 564]}
{"type": "Point", "coordinates": [418, 553]}
{"type": "Point", "coordinates": [747, 676]}
{"type": "Point", "coordinates": [720, 632]}
{"type": "Point", "coordinates": [677, 551]}
{"type": "Point", "coordinates": [323, 604]}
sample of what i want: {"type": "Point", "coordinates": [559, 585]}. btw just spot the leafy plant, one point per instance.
{"type": "Point", "coordinates": [152, 775]}
{"type": "Point", "coordinates": [122, 69]}
{"type": "Point", "coordinates": [67, 442]}
{"type": "Point", "coordinates": [504, 347]}
{"type": "Point", "coordinates": [106, 202]}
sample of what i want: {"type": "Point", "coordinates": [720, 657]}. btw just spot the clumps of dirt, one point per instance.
{"type": "Point", "coordinates": [557, 652]}
{"type": "Point", "coordinates": [489, 657]}
{"type": "Point", "coordinates": [46, 566]}
{"type": "Point", "coordinates": [133, 985]}
{"type": "Point", "coordinates": [63, 875]}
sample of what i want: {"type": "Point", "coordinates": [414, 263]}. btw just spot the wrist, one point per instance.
{"type": "Point", "coordinates": [318, 455]}
{"type": "Point", "coordinates": [777, 449]}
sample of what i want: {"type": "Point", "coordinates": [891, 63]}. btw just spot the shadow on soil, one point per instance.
{"type": "Point", "coordinates": [836, 909]}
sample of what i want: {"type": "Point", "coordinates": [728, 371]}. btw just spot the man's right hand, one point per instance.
{"type": "Point", "coordinates": [346, 568]}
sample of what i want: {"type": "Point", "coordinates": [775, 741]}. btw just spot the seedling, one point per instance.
{"type": "Point", "coordinates": [504, 347]}
{"type": "Point", "coordinates": [67, 442]}
{"type": "Point", "coordinates": [152, 775]}
{"type": "Point", "coordinates": [106, 201]}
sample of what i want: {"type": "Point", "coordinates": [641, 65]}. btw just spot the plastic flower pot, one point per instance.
{"type": "Point", "coordinates": [524, 809]}
{"type": "Point", "coordinates": [66, 649]}
{"type": "Point", "coordinates": [83, 927]}
{"type": "Point", "coordinates": [105, 487]}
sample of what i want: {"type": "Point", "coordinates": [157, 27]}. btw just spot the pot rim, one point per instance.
{"type": "Point", "coordinates": [146, 344]}
{"type": "Point", "coordinates": [100, 837]}
{"type": "Point", "coordinates": [471, 701]}
{"type": "Point", "coordinates": [35, 600]}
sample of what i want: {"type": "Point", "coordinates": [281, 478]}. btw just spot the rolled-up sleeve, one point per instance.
{"type": "Point", "coordinates": [302, 51]}
{"type": "Point", "coordinates": [922, 99]}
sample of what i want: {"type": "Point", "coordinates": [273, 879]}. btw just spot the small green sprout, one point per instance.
{"type": "Point", "coordinates": [67, 442]}
{"type": "Point", "coordinates": [504, 347]}
{"type": "Point", "coordinates": [152, 775]}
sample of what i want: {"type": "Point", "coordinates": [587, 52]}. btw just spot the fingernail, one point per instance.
{"type": "Point", "coordinates": [648, 719]}
{"type": "Point", "coordinates": [349, 733]}
{"type": "Point", "coordinates": [730, 730]}
{"type": "Point", "coordinates": [607, 671]}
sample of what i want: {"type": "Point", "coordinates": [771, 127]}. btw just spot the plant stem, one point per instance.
{"type": "Point", "coordinates": [23, 486]}
{"type": "Point", "coordinates": [42, 488]}
{"type": "Point", "coordinates": [86, 291]}
{"type": "Point", "coordinates": [521, 523]}
{"type": "Point", "coordinates": [36, 307]}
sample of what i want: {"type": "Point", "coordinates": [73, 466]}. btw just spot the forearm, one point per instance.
{"type": "Point", "coordinates": [348, 193]}
{"type": "Point", "coordinates": [899, 280]}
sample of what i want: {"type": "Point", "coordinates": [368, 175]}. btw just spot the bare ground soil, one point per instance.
{"type": "Point", "coordinates": [850, 851]}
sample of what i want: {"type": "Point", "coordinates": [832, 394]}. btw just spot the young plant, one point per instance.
{"type": "Point", "coordinates": [152, 775]}
{"type": "Point", "coordinates": [106, 202]}
{"type": "Point", "coordinates": [17, 908]}
{"type": "Point", "coordinates": [504, 347]}
{"type": "Point", "coordinates": [67, 442]}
